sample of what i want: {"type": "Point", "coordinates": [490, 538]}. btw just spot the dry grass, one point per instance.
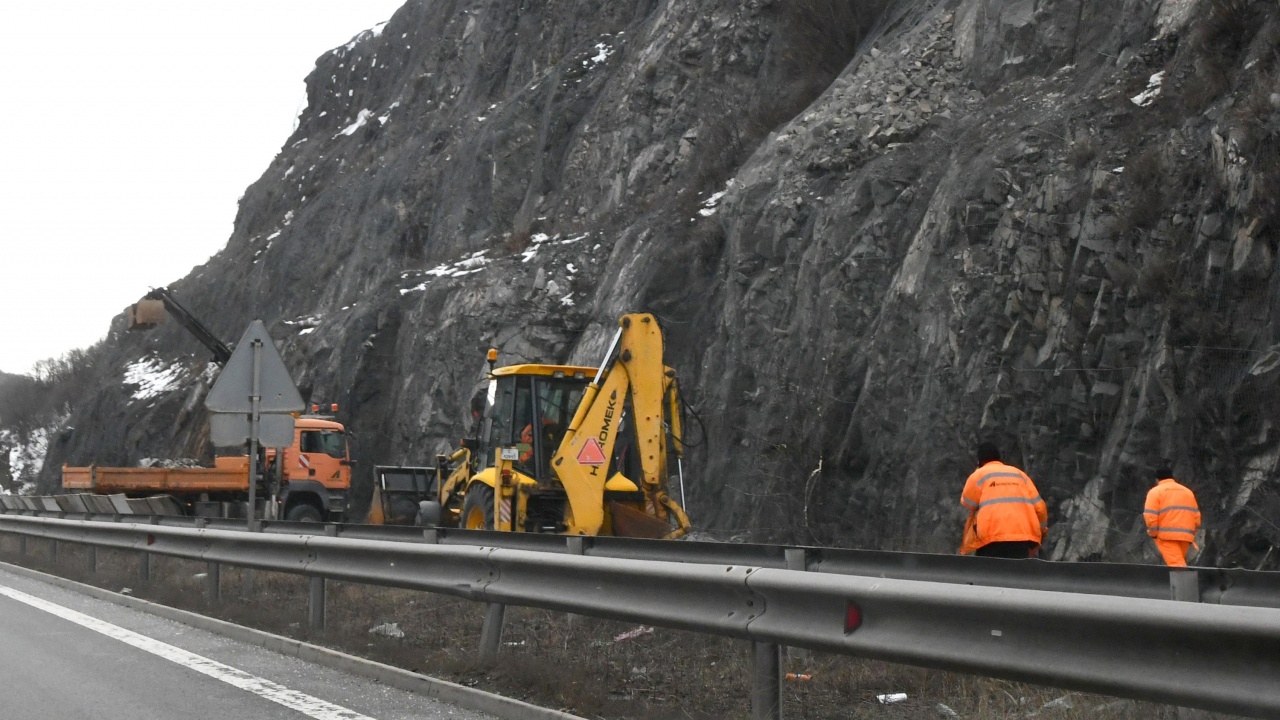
{"type": "Point", "coordinates": [571, 662]}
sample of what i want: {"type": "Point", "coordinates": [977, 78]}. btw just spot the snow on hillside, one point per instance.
{"type": "Point", "coordinates": [152, 377]}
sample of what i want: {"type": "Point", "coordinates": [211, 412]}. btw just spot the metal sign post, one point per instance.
{"type": "Point", "coordinates": [253, 401]}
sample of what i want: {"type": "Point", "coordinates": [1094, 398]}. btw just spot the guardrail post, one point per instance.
{"type": "Point", "coordinates": [22, 546]}
{"type": "Point", "coordinates": [213, 581]}
{"type": "Point", "coordinates": [491, 635]}
{"type": "Point", "coordinates": [53, 553]}
{"type": "Point", "coordinates": [316, 600]}
{"type": "Point", "coordinates": [212, 570]}
{"type": "Point", "coordinates": [144, 566]}
{"type": "Point", "coordinates": [766, 664]}
{"type": "Point", "coordinates": [144, 559]}
{"type": "Point", "coordinates": [1184, 585]}
{"type": "Point", "coordinates": [575, 545]}
{"type": "Point", "coordinates": [315, 604]}
{"type": "Point", "coordinates": [91, 559]}
{"type": "Point", "coordinates": [797, 559]}
{"type": "Point", "coordinates": [766, 681]}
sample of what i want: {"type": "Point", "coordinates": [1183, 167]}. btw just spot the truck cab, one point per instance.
{"type": "Point", "coordinates": [316, 471]}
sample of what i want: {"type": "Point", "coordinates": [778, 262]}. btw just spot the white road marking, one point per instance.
{"type": "Point", "coordinates": [306, 704]}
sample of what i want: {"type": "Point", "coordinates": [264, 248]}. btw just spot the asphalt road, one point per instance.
{"type": "Point", "coordinates": [66, 656]}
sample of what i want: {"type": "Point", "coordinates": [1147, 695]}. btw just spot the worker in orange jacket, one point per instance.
{"type": "Point", "coordinates": [1172, 516]}
{"type": "Point", "coordinates": [1007, 518]}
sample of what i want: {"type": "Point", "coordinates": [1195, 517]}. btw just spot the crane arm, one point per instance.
{"type": "Point", "coordinates": [221, 352]}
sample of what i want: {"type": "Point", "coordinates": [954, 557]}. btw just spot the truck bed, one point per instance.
{"type": "Point", "coordinates": [230, 475]}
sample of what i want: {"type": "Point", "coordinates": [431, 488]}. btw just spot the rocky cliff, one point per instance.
{"type": "Point", "coordinates": [874, 232]}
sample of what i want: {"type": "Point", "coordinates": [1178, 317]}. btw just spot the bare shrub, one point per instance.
{"type": "Point", "coordinates": [1146, 174]}
{"type": "Point", "coordinates": [1158, 277]}
{"type": "Point", "coordinates": [1225, 30]}
{"type": "Point", "coordinates": [1083, 152]}
{"type": "Point", "coordinates": [1207, 85]}
{"type": "Point", "coordinates": [818, 38]}
{"type": "Point", "coordinates": [1146, 170]}
{"type": "Point", "coordinates": [518, 241]}
{"type": "Point", "coordinates": [825, 34]}
{"type": "Point", "coordinates": [1259, 117]}
{"type": "Point", "coordinates": [21, 402]}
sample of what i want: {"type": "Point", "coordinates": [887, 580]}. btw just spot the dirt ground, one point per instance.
{"type": "Point", "coordinates": [594, 668]}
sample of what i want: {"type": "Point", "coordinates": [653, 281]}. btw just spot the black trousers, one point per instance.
{"type": "Point", "coordinates": [1020, 550]}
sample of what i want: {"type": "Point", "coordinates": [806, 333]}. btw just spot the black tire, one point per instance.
{"type": "Point", "coordinates": [302, 512]}
{"type": "Point", "coordinates": [479, 499]}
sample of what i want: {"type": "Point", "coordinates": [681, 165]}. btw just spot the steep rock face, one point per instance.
{"type": "Point", "coordinates": [873, 235]}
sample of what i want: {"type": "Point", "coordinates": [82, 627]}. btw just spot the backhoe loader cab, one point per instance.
{"type": "Point", "coordinates": [531, 409]}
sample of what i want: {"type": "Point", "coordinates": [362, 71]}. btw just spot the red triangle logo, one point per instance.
{"type": "Point", "coordinates": [591, 453]}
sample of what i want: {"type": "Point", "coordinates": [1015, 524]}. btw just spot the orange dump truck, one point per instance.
{"type": "Point", "coordinates": [314, 478]}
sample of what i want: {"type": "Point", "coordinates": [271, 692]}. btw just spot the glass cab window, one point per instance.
{"type": "Point", "coordinates": [502, 400]}
{"type": "Point", "coordinates": [558, 399]}
{"type": "Point", "coordinates": [329, 442]}
{"type": "Point", "coordinates": [531, 414]}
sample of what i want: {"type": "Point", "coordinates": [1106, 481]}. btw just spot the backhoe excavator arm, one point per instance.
{"type": "Point", "coordinates": [632, 366]}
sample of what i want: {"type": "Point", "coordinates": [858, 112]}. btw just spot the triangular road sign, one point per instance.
{"type": "Point", "coordinates": [591, 453]}
{"type": "Point", "coordinates": [234, 429]}
{"type": "Point", "coordinates": [234, 386]}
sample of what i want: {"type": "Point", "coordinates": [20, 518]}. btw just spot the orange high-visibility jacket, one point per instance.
{"type": "Point", "coordinates": [1172, 512]}
{"type": "Point", "coordinates": [1007, 505]}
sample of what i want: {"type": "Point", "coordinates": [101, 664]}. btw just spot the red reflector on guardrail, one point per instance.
{"type": "Point", "coordinates": [852, 617]}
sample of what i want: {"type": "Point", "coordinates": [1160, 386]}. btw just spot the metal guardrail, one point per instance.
{"type": "Point", "coordinates": [1225, 586]}
{"type": "Point", "coordinates": [1216, 657]}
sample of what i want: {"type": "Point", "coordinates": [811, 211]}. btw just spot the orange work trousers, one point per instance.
{"type": "Point", "coordinates": [1174, 552]}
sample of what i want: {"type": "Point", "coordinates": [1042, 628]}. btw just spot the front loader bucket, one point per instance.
{"type": "Point", "coordinates": [377, 515]}
{"type": "Point", "coordinates": [145, 314]}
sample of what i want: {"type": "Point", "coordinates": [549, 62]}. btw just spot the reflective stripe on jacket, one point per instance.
{"type": "Point", "coordinates": [1172, 512]}
{"type": "Point", "coordinates": [1007, 505]}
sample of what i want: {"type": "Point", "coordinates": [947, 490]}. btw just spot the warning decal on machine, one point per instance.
{"type": "Point", "coordinates": [591, 453]}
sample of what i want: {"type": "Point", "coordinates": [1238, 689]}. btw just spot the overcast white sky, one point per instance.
{"type": "Point", "coordinates": [130, 129]}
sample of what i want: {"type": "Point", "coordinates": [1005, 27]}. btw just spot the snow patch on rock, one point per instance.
{"type": "Point", "coordinates": [1148, 96]}
{"type": "Point", "coordinates": [362, 119]}
{"type": "Point", "coordinates": [152, 377]}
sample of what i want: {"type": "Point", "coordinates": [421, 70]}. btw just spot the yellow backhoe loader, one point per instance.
{"type": "Point", "coordinates": [562, 449]}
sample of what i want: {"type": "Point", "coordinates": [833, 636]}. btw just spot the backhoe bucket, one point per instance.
{"type": "Point", "coordinates": [630, 522]}
{"type": "Point", "coordinates": [145, 314]}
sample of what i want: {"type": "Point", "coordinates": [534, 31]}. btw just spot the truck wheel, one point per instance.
{"type": "Point", "coordinates": [477, 508]}
{"type": "Point", "coordinates": [303, 513]}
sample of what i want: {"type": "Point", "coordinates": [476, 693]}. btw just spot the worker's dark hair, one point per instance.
{"type": "Point", "coordinates": [1163, 471]}
{"type": "Point", "coordinates": [987, 452]}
